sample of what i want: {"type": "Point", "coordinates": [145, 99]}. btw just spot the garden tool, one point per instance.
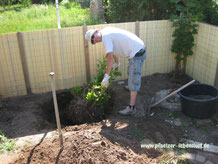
{"type": "Point", "coordinates": [152, 104]}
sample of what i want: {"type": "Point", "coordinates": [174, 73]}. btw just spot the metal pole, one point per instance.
{"type": "Point", "coordinates": [58, 17]}
{"type": "Point", "coordinates": [56, 109]}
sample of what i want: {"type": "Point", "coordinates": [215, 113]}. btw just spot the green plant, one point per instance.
{"type": "Point", "coordinates": [102, 66]}
{"type": "Point", "coordinates": [76, 91]}
{"type": "Point", "coordinates": [184, 21]}
{"type": "Point", "coordinates": [94, 93]}
{"type": "Point", "coordinates": [6, 145]}
{"type": "Point", "coordinates": [98, 95]}
{"type": "Point", "coordinates": [209, 9]}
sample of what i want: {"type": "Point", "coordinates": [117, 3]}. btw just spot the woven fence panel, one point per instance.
{"type": "Point", "coordinates": [59, 51]}
{"type": "Point", "coordinates": [62, 52]}
{"type": "Point", "coordinates": [11, 74]}
{"type": "Point", "coordinates": [157, 36]}
{"type": "Point", "coordinates": [202, 65]}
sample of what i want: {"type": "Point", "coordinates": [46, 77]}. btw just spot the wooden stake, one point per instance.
{"type": "Point", "coordinates": [137, 28]}
{"type": "Point", "coordinates": [86, 48]}
{"type": "Point", "coordinates": [56, 109]}
{"type": "Point", "coordinates": [24, 62]}
{"type": "Point", "coordinates": [216, 76]}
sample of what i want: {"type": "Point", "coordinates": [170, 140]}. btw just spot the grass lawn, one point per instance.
{"type": "Point", "coordinates": [38, 17]}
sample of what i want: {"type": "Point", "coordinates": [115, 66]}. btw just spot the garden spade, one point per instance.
{"type": "Point", "coordinates": [152, 104]}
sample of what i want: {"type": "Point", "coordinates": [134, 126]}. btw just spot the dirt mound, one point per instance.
{"type": "Point", "coordinates": [82, 145]}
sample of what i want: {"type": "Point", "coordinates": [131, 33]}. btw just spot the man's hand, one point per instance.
{"type": "Point", "coordinates": [105, 81]}
{"type": "Point", "coordinates": [116, 65]}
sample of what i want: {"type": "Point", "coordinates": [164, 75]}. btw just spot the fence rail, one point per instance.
{"type": "Point", "coordinates": [27, 58]}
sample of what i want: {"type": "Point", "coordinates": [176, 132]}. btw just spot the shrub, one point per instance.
{"type": "Point", "coordinates": [128, 10]}
{"type": "Point", "coordinates": [140, 10]}
{"type": "Point", "coordinates": [95, 94]}
{"type": "Point", "coordinates": [210, 11]}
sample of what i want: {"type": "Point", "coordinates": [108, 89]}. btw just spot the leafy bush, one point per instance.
{"type": "Point", "coordinates": [210, 11]}
{"type": "Point", "coordinates": [95, 94]}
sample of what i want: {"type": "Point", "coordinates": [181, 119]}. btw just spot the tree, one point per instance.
{"type": "Point", "coordinates": [184, 20]}
{"type": "Point", "coordinates": [97, 10]}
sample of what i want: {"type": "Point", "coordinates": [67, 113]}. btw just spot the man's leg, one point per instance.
{"type": "Point", "coordinates": [115, 59]}
{"type": "Point", "coordinates": [134, 83]}
{"type": "Point", "coordinates": [133, 95]}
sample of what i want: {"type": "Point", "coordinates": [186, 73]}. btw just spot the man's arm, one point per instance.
{"type": "Point", "coordinates": [109, 62]}
{"type": "Point", "coordinates": [105, 81]}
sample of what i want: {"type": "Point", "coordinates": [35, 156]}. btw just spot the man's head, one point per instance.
{"type": "Point", "coordinates": [94, 36]}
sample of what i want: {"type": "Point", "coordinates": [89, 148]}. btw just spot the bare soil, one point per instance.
{"type": "Point", "coordinates": [115, 139]}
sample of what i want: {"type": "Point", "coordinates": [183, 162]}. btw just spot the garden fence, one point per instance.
{"type": "Point", "coordinates": [27, 58]}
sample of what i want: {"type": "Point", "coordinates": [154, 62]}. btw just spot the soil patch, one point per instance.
{"type": "Point", "coordinates": [115, 139]}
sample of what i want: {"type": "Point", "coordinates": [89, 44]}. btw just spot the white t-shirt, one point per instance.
{"type": "Point", "coordinates": [121, 42]}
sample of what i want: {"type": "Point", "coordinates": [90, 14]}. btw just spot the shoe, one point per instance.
{"type": "Point", "coordinates": [127, 111]}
